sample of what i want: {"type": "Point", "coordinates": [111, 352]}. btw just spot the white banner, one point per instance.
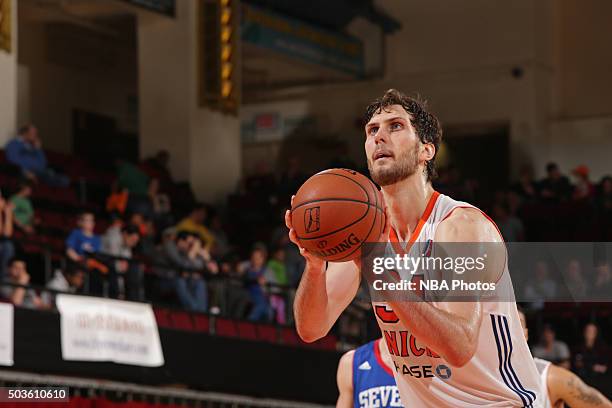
{"type": "Point", "coordinates": [6, 334]}
{"type": "Point", "coordinates": [96, 329]}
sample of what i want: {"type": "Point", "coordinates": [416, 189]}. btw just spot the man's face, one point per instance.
{"type": "Point", "coordinates": [17, 269]}
{"type": "Point", "coordinates": [257, 258]}
{"type": "Point", "coordinates": [31, 135]}
{"type": "Point", "coordinates": [590, 332]}
{"type": "Point", "coordinates": [392, 147]}
{"type": "Point", "coordinates": [131, 240]}
{"type": "Point", "coordinates": [549, 336]}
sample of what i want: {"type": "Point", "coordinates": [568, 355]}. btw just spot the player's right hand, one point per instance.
{"type": "Point", "coordinates": [311, 259]}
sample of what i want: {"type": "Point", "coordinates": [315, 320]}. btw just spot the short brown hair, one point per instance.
{"type": "Point", "coordinates": [427, 126]}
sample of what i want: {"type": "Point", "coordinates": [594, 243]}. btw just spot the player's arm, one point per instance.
{"type": "Point", "coordinates": [323, 292]}
{"type": "Point", "coordinates": [451, 330]}
{"type": "Point", "coordinates": [563, 385]}
{"type": "Point", "coordinates": [344, 378]}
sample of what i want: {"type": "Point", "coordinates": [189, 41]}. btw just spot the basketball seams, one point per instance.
{"type": "Point", "coordinates": [340, 229]}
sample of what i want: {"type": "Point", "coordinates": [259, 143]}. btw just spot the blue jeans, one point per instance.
{"type": "Point", "coordinates": [261, 308]}
{"type": "Point", "coordinates": [192, 293]}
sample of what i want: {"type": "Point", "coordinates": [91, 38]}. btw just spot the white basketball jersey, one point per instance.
{"type": "Point", "coordinates": [543, 366]}
{"type": "Point", "coordinates": [500, 374]}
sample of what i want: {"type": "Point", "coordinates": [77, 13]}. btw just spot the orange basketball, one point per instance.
{"type": "Point", "coordinates": [335, 211]}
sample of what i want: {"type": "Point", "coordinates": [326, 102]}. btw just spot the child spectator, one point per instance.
{"type": "Point", "coordinates": [255, 272]}
{"type": "Point", "coordinates": [276, 274]}
{"type": "Point", "coordinates": [125, 277]}
{"type": "Point", "coordinates": [19, 296]}
{"type": "Point", "coordinates": [69, 281]}
{"type": "Point", "coordinates": [584, 189]}
{"type": "Point", "coordinates": [23, 210]}
{"type": "Point", "coordinates": [82, 240]}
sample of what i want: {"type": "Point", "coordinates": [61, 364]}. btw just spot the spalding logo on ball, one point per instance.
{"type": "Point", "coordinates": [341, 209]}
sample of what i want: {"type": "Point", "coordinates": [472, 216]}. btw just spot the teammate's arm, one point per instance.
{"type": "Point", "coordinates": [323, 292]}
{"type": "Point", "coordinates": [563, 385]}
{"type": "Point", "coordinates": [451, 330]}
{"type": "Point", "coordinates": [344, 378]}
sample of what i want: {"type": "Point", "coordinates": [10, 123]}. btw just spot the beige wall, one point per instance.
{"type": "Point", "coordinates": [204, 145]}
{"type": "Point", "coordinates": [8, 85]}
{"type": "Point", "coordinates": [459, 56]}
{"type": "Point", "coordinates": [54, 90]}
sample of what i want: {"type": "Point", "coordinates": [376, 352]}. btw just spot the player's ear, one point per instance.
{"type": "Point", "coordinates": [429, 151]}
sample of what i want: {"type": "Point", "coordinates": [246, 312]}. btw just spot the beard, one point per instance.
{"type": "Point", "coordinates": [402, 168]}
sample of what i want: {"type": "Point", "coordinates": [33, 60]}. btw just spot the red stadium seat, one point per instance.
{"type": "Point", "coordinates": [201, 323]}
{"type": "Point", "coordinates": [226, 327]}
{"type": "Point", "coordinates": [246, 330]}
{"type": "Point", "coordinates": [290, 337]}
{"type": "Point", "coordinates": [162, 317]}
{"type": "Point", "coordinates": [267, 332]}
{"type": "Point", "coordinates": [181, 320]}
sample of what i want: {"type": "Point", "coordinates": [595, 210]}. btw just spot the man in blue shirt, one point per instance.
{"type": "Point", "coordinates": [25, 151]}
{"type": "Point", "coordinates": [82, 240]}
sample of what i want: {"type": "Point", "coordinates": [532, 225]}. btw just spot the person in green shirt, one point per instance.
{"type": "Point", "coordinates": [23, 210]}
{"type": "Point", "coordinates": [277, 275]}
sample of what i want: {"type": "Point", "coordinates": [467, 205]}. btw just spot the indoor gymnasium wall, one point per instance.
{"type": "Point", "coordinates": [61, 80]}
{"type": "Point", "coordinates": [8, 84]}
{"type": "Point", "coordinates": [462, 61]}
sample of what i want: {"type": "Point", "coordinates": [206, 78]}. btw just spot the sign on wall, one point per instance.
{"type": "Point", "coordinates": [300, 40]}
{"type": "Point", "coordinates": [95, 329]}
{"type": "Point", "coordinates": [6, 334]}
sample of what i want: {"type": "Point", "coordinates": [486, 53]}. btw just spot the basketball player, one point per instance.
{"type": "Point", "coordinates": [365, 378]}
{"type": "Point", "coordinates": [445, 355]}
{"type": "Point", "coordinates": [562, 386]}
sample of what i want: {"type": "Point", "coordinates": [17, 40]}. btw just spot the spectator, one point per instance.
{"type": "Point", "coordinates": [577, 287]}
{"type": "Point", "coordinates": [526, 187]}
{"type": "Point", "coordinates": [19, 296]}
{"type": "Point", "coordinates": [255, 272]}
{"type": "Point", "coordinates": [69, 281]}
{"type": "Point", "coordinates": [160, 205]}
{"type": "Point", "coordinates": [234, 297]}
{"type": "Point", "coordinates": [510, 226]}
{"type": "Point", "coordinates": [185, 260]}
{"type": "Point", "coordinates": [584, 189]}
{"type": "Point", "coordinates": [602, 287]}
{"type": "Point", "coordinates": [277, 275]}
{"type": "Point", "coordinates": [194, 223]}
{"type": "Point", "coordinates": [25, 151]}
{"type": "Point", "coordinates": [117, 200]}
{"type": "Point", "coordinates": [7, 249]}
{"type": "Point", "coordinates": [136, 182]}
{"type": "Point", "coordinates": [81, 246]}
{"type": "Point", "coordinates": [552, 349]}
{"type": "Point", "coordinates": [157, 167]}
{"type": "Point", "coordinates": [290, 180]}
{"type": "Point", "coordinates": [221, 247]}
{"type": "Point", "coordinates": [125, 276]}
{"type": "Point", "coordinates": [82, 240]}
{"type": "Point", "coordinates": [591, 358]}
{"type": "Point", "coordinates": [541, 287]}
{"type": "Point", "coordinates": [23, 209]}
{"type": "Point", "coordinates": [555, 187]}
{"type": "Point", "coordinates": [604, 194]}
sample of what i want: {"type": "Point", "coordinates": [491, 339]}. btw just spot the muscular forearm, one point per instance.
{"type": "Point", "coordinates": [452, 337]}
{"type": "Point", "coordinates": [312, 318]}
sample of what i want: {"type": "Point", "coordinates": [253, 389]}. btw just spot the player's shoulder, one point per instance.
{"type": "Point", "coordinates": [467, 224]}
{"type": "Point", "coordinates": [347, 358]}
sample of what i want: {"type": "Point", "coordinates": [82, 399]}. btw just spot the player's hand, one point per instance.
{"type": "Point", "coordinates": [311, 259]}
